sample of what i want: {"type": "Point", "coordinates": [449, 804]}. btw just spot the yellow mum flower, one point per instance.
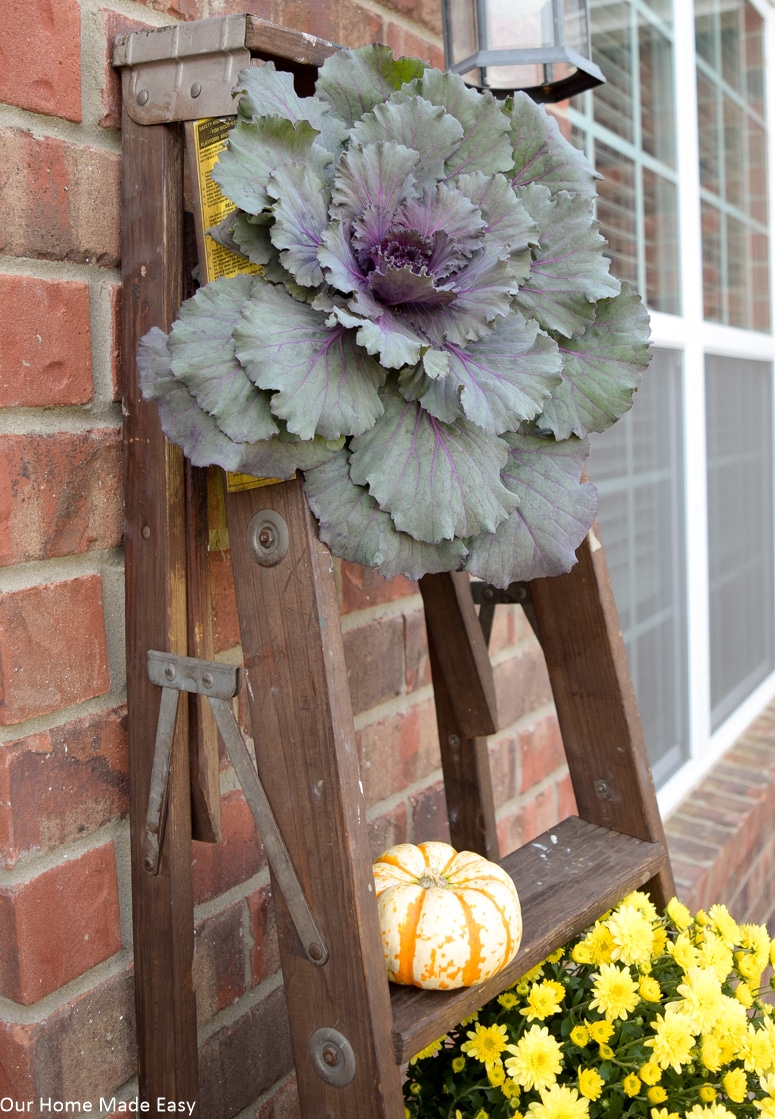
{"type": "Point", "coordinates": [707, 1093]}
{"type": "Point", "coordinates": [744, 994]}
{"type": "Point", "coordinates": [710, 1053]}
{"type": "Point", "coordinates": [712, 1111]}
{"type": "Point", "coordinates": [555, 956]}
{"type": "Point", "coordinates": [591, 1083]}
{"type": "Point", "coordinates": [544, 999]}
{"type": "Point", "coordinates": [485, 1043]}
{"type": "Point", "coordinates": [649, 989]}
{"type": "Point", "coordinates": [508, 1000]}
{"type": "Point", "coordinates": [735, 1084]}
{"type": "Point", "coordinates": [536, 1060]}
{"type": "Point", "coordinates": [701, 998]}
{"type": "Point", "coordinates": [510, 1090]}
{"type": "Point", "coordinates": [632, 935]}
{"type": "Point", "coordinates": [600, 944]}
{"type": "Point", "coordinates": [559, 1102]}
{"type": "Point", "coordinates": [482, 1114]}
{"type": "Point", "coordinates": [429, 1051]}
{"type": "Point", "coordinates": [615, 992]}
{"type": "Point", "coordinates": [678, 914]}
{"type": "Point", "coordinates": [496, 1074]}
{"type": "Point", "coordinates": [582, 953]}
{"type": "Point", "coordinates": [656, 1094]}
{"type": "Point", "coordinates": [660, 941]}
{"type": "Point", "coordinates": [600, 1031]}
{"type": "Point", "coordinates": [579, 1035]}
{"type": "Point", "coordinates": [650, 1073]}
{"type": "Point", "coordinates": [631, 1084]}
{"type": "Point", "coordinates": [757, 1051]}
{"type": "Point", "coordinates": [643, 903]}
{"type": "Point", "coordinates": [726, 926]}
{"type": "Point", "coordinates": [766, 1107]}
{"type": "Point", "coordinates": [663, 1113]}
{"type": "Point", "coordinates": [606, 1052]}
{"type": "Point", "coordinates": [673, 1041]}
{"type": "Point", "coordinates": [683, 951]}
{"type": "Point", "coordinates": [458, 1064]}
{"type": "Point", "coordinates": [714, 953]}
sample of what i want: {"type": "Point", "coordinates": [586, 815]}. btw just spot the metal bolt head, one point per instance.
{"type": "Point", "coordinates": [267, 536]}
{"type": "Point", "coordinates": [142, 97]}
{"type": "Point", "coordinates": [207, 680]}
{"type": "Point", "coordinates": [315, 952]}
{"type": "Point", "coordinates": [145, 532]}
{"type": "Point", "coordinates": [169, 672]}
{"type": "Point", "coordinates": [331, 1055]}
{"type": "Point", "coordinates": [454, 741]}
{"type": "Point", "coordinates": [601, 788]}
{"type": "Point", "coordinates": [196, 89]}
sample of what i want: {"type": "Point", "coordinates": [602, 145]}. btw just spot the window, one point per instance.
{"type": "Point", "coordinates": [740, 528]}
{"type": "Point", "coordinates": [637, 468]}
{"type": "Point", "coordinates": [679, 134]}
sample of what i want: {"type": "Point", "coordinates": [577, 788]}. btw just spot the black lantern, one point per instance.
{"type": "Point", "coordinates": [539, 46]}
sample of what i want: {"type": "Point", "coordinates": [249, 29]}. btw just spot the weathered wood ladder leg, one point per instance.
{"type": "Point", "coordinates": [307, 760]}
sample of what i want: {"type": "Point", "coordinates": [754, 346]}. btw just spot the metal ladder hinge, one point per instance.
{"type": "Point", "coordinates": [219, 683]}
{"type": "Point", "coordinates": [487, 597]}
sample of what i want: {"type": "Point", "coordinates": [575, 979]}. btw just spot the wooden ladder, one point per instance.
{"type": "Point", "coordinates": [350, 1030]}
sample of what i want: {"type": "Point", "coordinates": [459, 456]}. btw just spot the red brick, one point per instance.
{"type": "Point", "coordinates": [388, 829]}
{"type": "Point", "coordinates": [398, 750]}
{"type": "Point", "coordinates": [46, 940]}
{"type": "Point", "coordinates": [566, 798]}
{"type": "Point", "coordinates": [239, 855]}
{"type": "Point", "coordinates": [81, 1050]}
{"type": "Point", "coordinates": [541, 752]}
{"type": "Point", "coordinates": [60, 494]}
{"type": "Point", "coordinates": [429, 815]}
{"type": "Point", "coordinates": [220, 961]}
{"type": "Point", "coordinates": [61, 784]}
{"type": "Point", "coordinates": [114, 296]}
{"type": "Point", "coordinates": [40, 56]}
{"type": "Point", "coordinates": [503, 769]}
{"type": "Point", "coordinates": [52, 647]}
{"type": "Point", "coordinates": [282, 1104]}
{"type": "Point", "coordinates": [418, 667]}
{"type": "Point", "coordinates": [521, 684]}
{"type": "Point", "coordinates": [375, 662]}
{"type": "Point", "coordinates": [45, 342]}
{"type": "Point", "coordinates": [405, 42]}
{"type": "Point", "coordinates": [58, 200]}
{"type": "Point", "coordinates": [360, 587]}
{"type": "Point", "coordinates": [114, 24]}
{"type": "Point", "coordinates": [241, 1061]}
{"type": "Point", "coordinates": [265, 950]}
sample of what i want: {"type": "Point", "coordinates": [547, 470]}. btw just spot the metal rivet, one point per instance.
{"type": "Point", "coordinates": [601, 788]}
{"type": "Point", "coordinates": [207, 680]}
{"type": "Point", "coordinates": [315, 952]}
{"type": "Point", "coordinates": [145, 532]}
{"type": "Point", "coordinates": [169, 672]}
{"type": "Point", "coordinates": [332, 1057]}
{"type": "Point", "coordinates": [142, 97]}
{"type": "Point", "coordinates": [454, 741]}
{"type": "Point", "coordinates": [267, 537]}
{"type": "Point", "coordinates": [196, 89]}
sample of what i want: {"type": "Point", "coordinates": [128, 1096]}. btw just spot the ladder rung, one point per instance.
{"type": "Point", "coordinates": [567, 877]}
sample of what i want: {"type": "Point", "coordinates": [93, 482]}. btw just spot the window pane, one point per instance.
{"type": "Point", "coordinates": [612, 51]}
{"type": "Point", "coordinates": [740, 529]}
{"type": "Point", "coordinates": [656, 93]}
{"type": "Point", "coordinates": [617, 211]}
{"type": "Point", "coordinates": [733, 162]}
{"type": "Point", "coordinates": [637, 467]}
{"type": "Point", "coordinates": [660, 207]}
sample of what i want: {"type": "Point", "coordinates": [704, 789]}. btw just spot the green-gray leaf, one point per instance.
{"type": "Point", "coordinates": [203, 358]}
{"type": "Point", "coordinates": [569, 271]}
{"type": "Point", "coordinates": [352, 82]}
{"type": "Point", "coordinates": [324, 384]}
{"type": "Point", "coordinates": [436, 480]}
{"type": "Point", "coordinates": [554, 514]}
{"type": "Point", "coordinates": [356, 529]}
{"type": "Point", "coordinates": [257, 148]}
{"type": "Point", "coordinates": [543, 155]}
{"type": "Point", "coordinates": [601, 368]}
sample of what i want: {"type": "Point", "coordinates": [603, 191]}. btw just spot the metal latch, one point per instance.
{"type": "Point", "coordinates": [219, 683]}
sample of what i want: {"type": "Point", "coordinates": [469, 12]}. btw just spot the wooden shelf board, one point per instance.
{"type": "Point", "coordinates": [566, 878]}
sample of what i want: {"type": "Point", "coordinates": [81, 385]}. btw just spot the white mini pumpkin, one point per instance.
{"type": "Point", "coordinates": [448, 919]}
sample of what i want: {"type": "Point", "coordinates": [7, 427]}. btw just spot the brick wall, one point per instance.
{"type": "Point", "coordinates": [66, 998]}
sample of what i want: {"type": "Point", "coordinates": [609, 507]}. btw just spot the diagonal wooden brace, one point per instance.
{"type": "Point", "coordinates": [219, 683]}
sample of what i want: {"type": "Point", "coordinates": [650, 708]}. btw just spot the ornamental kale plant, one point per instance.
{"type": "Point", "coordinates": [433, 330]}
{"type": "Point", "coordinates": [642, 1017]}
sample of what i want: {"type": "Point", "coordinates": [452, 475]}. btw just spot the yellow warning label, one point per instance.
{"type": "Point", "coordinates": [210, 136]}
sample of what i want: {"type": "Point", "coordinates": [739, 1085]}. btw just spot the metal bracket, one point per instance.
{"type": "Point", "coordinates": [487, 597]}
{"type": "Point", "coordinates": [219, 683]}
{"type": "Point", "coordinates": [182, 72]}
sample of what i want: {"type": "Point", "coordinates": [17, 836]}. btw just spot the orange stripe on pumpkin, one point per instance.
{"type": "Point", "coordinates": [407, 938]}
{"type": "Point", "coordinates": [473, 965]}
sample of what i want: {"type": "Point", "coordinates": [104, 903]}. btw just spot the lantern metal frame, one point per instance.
{"type": "Point", "coordinates": [587, 74]}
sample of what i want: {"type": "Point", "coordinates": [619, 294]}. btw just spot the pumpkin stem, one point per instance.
{"type": "Point", "coordinates": [430, 879]}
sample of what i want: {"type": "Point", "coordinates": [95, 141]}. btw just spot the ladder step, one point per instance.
{"type": "Point", "coordinates": [567, 878]}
